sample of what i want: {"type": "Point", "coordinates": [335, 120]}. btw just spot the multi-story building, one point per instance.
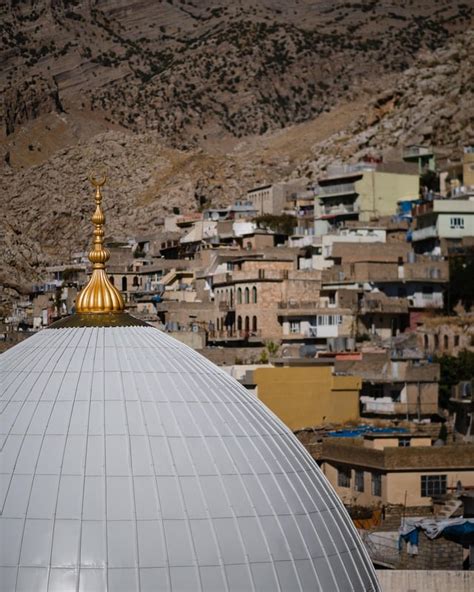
{"type": "Point", "coordinates": [271, 199]}
{"type": "Point", "coordinates": [250, 294]}
{"type": "Point", "coordinates": [395, 469]}
{"type": "Point", "coordinates": [442, 224]}
{"type": "Point", "coordinates": [396, 273]}
{"type": "Point", "coordinates": [392, 387]}
{"type": "Point", "coordinates": [422, 156]}
{"type": "Point", "coordinates": [362, 192]}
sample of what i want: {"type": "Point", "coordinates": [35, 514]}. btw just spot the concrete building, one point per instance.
{"type": "Point", "coordinates": [468, 166]}
{"type": "Point", "coordinates": [394, 387]}
{"type": "Point", "coordinates": [362, 192]}
{"type": "Point", "coordinates": [446, 335]}
{"type": "Point", "coordinates": [308, 396]}
{"type": "Point", "coordinates": [403, 469]}
{"type": "Point", "coordinates": [441, 224]}
{"type": "Point", "coordinates": [462, 402]}
{"type": "Point", "coordinates": [250, 294]}
{"type": "Point", "coordinates": [271, 199]}
{"type": "Point", "coordinates": [422, 156]}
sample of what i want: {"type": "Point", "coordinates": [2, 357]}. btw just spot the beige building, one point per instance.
{"type": "Point", "coordinates": [271, 199]}
{"type": "Point", "coordinates": [251, 295]}
{"type": "Point", "coordinates": [362, 192]}
{"type": "Point", "coordinates": [398, 469]}
{"type": "Point", "coordinates": [393, 387]}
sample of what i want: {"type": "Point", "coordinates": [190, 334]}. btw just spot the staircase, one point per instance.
{"type": "Point", "coordinates": [449, 507]}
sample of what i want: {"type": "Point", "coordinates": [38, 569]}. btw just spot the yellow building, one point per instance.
{"type": "Point", "coordinates": [362, 192]}
{"type": "Point", "coordinates": [308, 396]}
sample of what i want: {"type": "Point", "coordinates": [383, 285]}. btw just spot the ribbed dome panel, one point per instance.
{"type": "Point", "coordinates": [132, 463]}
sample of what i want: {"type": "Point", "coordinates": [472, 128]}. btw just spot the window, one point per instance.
{"type": "Point", "coordinates": [432, 485]}
{"type": "Point", "coordinates": [359, 481]}
{"type": "Point", "coordinates": [456, 341]}
{"type": "Point", "coordinates": [247, 296]}
{"type": "Point", "coordinates": [377, 484]}
{"type": "Point", "coordinates": [239, 296]}
{"type": "Point", "coordinates": [456, 223]}
{"type": "Point", "coordinates": [343, 477]}
{"type": "Point", "coordinates": [339, 319]}
{"type": "Point", "coordinates": [446, 342]}
{"type": "Point", "coordinates": [239, 323]}
{"type": "Point", "coordinates": [254, 323]}
{"type": "Point", "coordinates": [124, 284]}
{"type": "Point", "coordinates": [254, 295]}
{"type": "Point", "coordinates": [403, 442]}
{"type": "Point", "coordinates": [294, 327]}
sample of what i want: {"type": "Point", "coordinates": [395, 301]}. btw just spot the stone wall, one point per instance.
{"type": "Point", "coordinates": [425, 581]}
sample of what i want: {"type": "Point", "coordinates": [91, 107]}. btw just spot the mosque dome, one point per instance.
{"type": "Point", "coordinates": [132, 463]}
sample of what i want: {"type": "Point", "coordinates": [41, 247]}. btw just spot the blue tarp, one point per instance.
{"type": "Point", "coordinates": [359, 431]}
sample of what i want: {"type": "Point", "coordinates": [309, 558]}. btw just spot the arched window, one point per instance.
{"type": "Point", "coordinates": [254, 323]}
{"type": "Point", "coordinates": [446, 342]}
{"type": "Point", "coordinates": [112, 280]}
{"type": "Point", "coordinates": [254, 295]}
{"type": "Point", "coordinates": [247, 295]}
{"type": "Point", "coordinates": [247, 324]}
{"type": "Point", "coordinates": [239, 323]}
{"type": "Point", "coordinates": [124, 283]}
{"type": "Point", "coordinates": [239, 296]}
{"type": "Point", "coordinates": [135, 281]}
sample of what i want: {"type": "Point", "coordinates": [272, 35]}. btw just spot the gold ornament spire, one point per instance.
{"type": "Point", "coordinates": [99, 295]}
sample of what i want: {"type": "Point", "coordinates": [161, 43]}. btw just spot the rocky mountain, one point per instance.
{"type": "Point", "coordinates": [191, 103]}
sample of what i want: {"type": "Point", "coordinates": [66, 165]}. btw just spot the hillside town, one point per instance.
{"type": "Point", "coordinates": [342, 304]}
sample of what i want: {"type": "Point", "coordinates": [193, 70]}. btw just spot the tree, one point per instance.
{"type": "Point", "coordinates": [282, 224]}
{"type": "Point", "coordinates": [452, 371]}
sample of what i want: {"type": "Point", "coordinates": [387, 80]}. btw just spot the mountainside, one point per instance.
{"type": "Point", "coordinates": [316, 82]}
{"type": "Point", "coordinates": [192, 69]}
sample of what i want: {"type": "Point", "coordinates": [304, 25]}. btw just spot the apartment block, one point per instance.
{"type": "Point", "coordinates": [362, 192]}
{"type": "Point", "coordinates": [441, 224]}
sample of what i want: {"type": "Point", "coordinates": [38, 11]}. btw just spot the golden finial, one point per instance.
{"type": "Point", "coordinates": [99, 295]}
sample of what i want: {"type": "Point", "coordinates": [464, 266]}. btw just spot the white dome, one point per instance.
{"type": "Point", "coordinates": [132, 463]}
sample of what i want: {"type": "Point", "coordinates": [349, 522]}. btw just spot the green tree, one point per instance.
{"type": "Point", "coordinates": [282, 224]}
{"type": "Point", "coordinates": [452, 371]}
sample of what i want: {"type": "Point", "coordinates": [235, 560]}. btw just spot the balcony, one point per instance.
{"type": "Point", "coordinates": [226, 307]}
{"type": "Point", "coordinates": [340, 210]}
{"type": "Point", "coordinates": [236, 335]}
{"type": "Point", "coordinates": [424, 233]}
{"type": "Point", "coordinates": [342, 170]}
{"type": "Point", "coordinates": [417, 151]}
{"type": "Point", "coordinates": [324, 191]}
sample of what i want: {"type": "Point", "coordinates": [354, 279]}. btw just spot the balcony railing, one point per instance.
{"type": "Point", "coordinates": [412, 151]}
{"type": "Point", "coordinates": [236, 334]}
{"type": "Point", "coordinates": [226, 307]}
{"type": "Point", "coordinates": [339, 189]}
{"type": "Point", "coordinates": [297, 304]}
{"type": "Point", "coordinates": [341, 209]}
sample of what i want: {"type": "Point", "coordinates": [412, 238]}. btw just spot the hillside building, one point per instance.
{"type": "Point", "coordinates": [362, 192]}
{"type": "Point", "coordinates": [394, 469]}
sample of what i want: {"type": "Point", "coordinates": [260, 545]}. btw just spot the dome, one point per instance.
{"type": "Point", "coordinates": [130, 462]}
